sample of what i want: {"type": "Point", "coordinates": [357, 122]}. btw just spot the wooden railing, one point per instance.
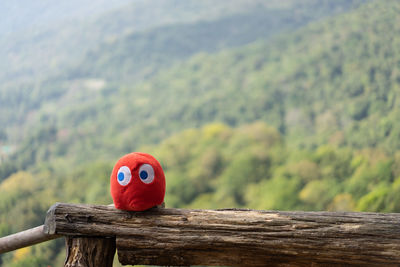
{"type": "Point", "coordinates": [229, 237]}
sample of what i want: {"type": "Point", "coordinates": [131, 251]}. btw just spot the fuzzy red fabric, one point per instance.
{"type": "Point", "coordinates": [132, 187]}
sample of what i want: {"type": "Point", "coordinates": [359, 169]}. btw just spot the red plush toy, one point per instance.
{"type": "Point", "coordinates": [137, 182]}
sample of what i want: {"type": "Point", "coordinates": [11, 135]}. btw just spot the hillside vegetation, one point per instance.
{"type": "Point", "coordinates": [67, 115]}
{"type": "Point", "coordinates": [328, 83]}
{"type": "Point", "coordinates": [340, 88]}
{"type": "Point", "coordinates": [132, 43]}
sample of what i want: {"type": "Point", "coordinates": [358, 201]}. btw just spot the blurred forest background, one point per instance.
{"type": "Point", "coordinates": [289, 105]}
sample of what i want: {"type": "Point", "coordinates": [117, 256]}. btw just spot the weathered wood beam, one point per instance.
{"type": "Point", "coordinates": [236, 237]}
{"type": "Point", "coordinates": [24, 239]}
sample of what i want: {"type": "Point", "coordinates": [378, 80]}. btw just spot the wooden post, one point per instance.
{"type": "Point", "coordinates": [89, 251]}
{"type": "Point", "coordinates": [236, 237]}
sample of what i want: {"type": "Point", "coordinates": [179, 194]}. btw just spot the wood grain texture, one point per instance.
{"type": "Point", "coordinates": [89, 251]}
{"type": "Point", "coordinates": [236, 237]}
{"type": "Point", "coordinates": [23, 239]}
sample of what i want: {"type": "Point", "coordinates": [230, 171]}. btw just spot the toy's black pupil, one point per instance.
{"type": "Point", "coordinates": [143, 175]}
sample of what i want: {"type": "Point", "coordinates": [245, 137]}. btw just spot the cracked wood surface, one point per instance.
{"type": "Point", "coordinates": [236, 237]}
{"type": "Point", "coordinates": [89, 252]}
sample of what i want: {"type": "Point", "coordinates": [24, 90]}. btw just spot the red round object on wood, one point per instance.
{"type": "Point", "coordinates": [137, 182]}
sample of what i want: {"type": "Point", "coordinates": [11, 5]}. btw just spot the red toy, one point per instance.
{"type": "Point", "coordinates": [137, 182]}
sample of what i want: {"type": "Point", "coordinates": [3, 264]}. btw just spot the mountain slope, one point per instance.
{"type": "Point", "coordinates": [63, 43]}
{"type": "Point", "coordinates": [142, 53]}
{"type": "Point", "coordinates": [137, 55]}
{"type": "Point", "coordinates": [332, 82]}
{"type": "Point", "coordinates": [135, 41]}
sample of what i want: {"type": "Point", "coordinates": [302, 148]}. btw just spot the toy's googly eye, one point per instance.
{"type": "Point", "coordinates": [146, 173]}
{"type": "Point", "coordinates": [124, 175]}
